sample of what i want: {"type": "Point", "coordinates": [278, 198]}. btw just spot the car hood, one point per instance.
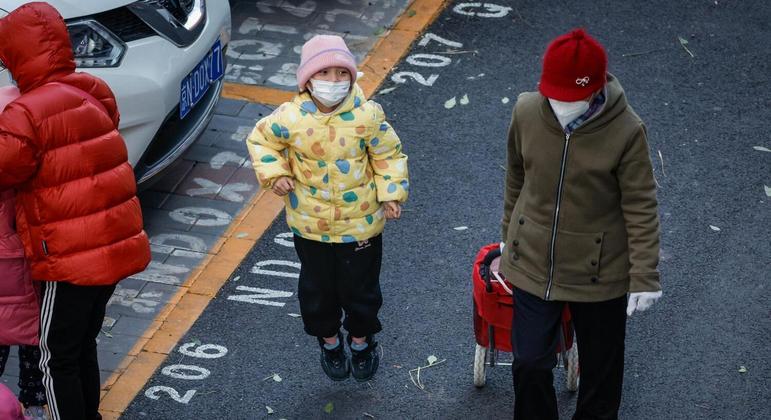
{"type": "Point", "coordinates": [72, 8]}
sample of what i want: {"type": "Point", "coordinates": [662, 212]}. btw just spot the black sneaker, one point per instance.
{"type": "Point", "coordinates": [335, 361]}
{"type": "Point", "coordinates": [364, 363]}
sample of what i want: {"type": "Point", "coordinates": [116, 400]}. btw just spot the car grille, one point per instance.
{"type": "Point", "coordinates": [124, 24]}
{"type": "Point", "coordinates": [178, 8]}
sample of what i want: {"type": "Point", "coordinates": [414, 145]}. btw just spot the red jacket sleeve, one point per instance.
{"type": "Point", "coordinates": [18, 153]}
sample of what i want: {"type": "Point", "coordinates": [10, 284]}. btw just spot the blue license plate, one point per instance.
{"type": "Point", "coordinates": [197, 82]}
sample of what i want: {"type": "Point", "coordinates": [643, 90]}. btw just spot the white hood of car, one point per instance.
{"type": "Point", "coordinates": [72, 8]}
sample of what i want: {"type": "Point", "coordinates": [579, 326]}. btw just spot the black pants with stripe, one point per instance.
{"type": "Point", "coordinates": [600, 332]}
{"type": "Point", "coordinates": [337, 277]}
{"type": "Point", "coordinates": [71, 318]}
{"type": "Point", "coordinates": [31, 390]}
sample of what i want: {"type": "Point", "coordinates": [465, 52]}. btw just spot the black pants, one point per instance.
{"type": "Point", "coordinates": [31, 390]}
{"type": "Point", "coordinates": [337, 277]}
{"type": "Point", "coordinates": [70, 321]}
{"type": "Point", "coordinates": [600, 331]}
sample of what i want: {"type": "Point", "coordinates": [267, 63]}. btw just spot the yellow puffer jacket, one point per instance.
{"type": "Point", "coordinates": [344, 165]}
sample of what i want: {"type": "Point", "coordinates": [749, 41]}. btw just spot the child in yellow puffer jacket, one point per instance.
{"type": "Point", "coordinates": [342, 171]}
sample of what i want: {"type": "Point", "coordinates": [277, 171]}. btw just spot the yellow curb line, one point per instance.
{"type": "Point", "coordinates": [194, 295]}
{"type": "Point", "coordinates": [376, 65]}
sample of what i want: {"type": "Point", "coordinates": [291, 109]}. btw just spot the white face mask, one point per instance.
{"type": "Point", "coordinates": [330, 93]}
{"type": "Point", "coordinates": [567, 112]}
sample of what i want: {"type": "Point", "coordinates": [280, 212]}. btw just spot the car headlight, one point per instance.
{"type": "Point", "coordinates": [93, 45]}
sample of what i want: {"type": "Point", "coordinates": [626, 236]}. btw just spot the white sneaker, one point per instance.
{"type": "Point", "coordinates": [36, 412]}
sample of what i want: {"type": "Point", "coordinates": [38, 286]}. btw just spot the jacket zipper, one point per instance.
{"type": "Point", "coordinates": [557, 216]}
{"type": "Point", "coordinates": [45, 248]}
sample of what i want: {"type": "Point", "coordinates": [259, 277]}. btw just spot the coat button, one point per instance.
{"type": "Point", "coordinates": [514, 256]}
{"type": "Point", "coordinates": [515, 243]}
{"type": "Point", "coordinates": [597, 240]}
{"type": "Point", "coordinates": [521, 221]}
{"type": "Point", "coordinates": [594, 279]}
{"type": "Point", "coordinates": [594, 262]}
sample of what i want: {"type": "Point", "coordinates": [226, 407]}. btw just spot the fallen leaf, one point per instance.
{"type": "Point", "coordinates": [412, 13]}
{"type": "Point", "coordinates": [197, 342]}
{"type": "Point", "coordinates": [742, 369]}
{"type": "Point", "coordinates": [379, 31]}
{"type": "Point", "coordinates": [270, 410]}
{"type": "Point", "coordinates": [450, 103]}
{"type": "Point", "coordinates": [295, 315]}
{"type": "Point", "coordinates": [236, 278]}
{"type": "Point", "coordinates": [329, 408]}
{"type": "Point", "coordinates": [505, 100]}
{"type": "Point", "coordinates": [432, 359]}
{"type": "Point", "coordinates": [761, 149]}
{"type": "Point", "coordinates": [387, 90]}
{"type": "Point", "coordinates": [460, 228]}
{"type": "Point", "coordinates": [768, 190]}
{"type": "Point", "coordinates": [715, 228]}
{"type": "Point", "coordinates": [277, 378]}
{"type": "Point", "coordinates": [108, 322]}
{"type": "Point", "coordinates": [416, 377]}
{"type": "Point", "coordinates": [464, 100]}
{"type": "Point", "coordinates": [242, 235]}
{"type": "Point", "coordinates": [662, 164]}
{"type": "Point", "coordinates": [368, 415]}
{"type": "Point", "coordinates": [107, 334]}
{"type": "Point", "coordinates": [684, 43]}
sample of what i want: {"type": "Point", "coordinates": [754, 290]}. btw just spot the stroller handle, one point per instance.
{"type": "Point", "coordinates": [485, 269]}
{"type": "Point", "coordinates": [491, 255]}
{"type": "Point", "coordinates": [487, 273]}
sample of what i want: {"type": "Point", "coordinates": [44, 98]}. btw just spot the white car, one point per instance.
{"type": "Point", "coordinates": [163, 59]}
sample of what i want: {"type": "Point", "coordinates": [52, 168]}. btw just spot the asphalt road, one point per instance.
{"type": "Point", "coordinates": [700, 353]}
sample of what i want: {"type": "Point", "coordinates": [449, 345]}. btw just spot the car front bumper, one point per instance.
{"type": "Point", "coordinates": [147, 87]}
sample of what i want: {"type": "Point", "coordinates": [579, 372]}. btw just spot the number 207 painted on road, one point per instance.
{"type": "Point", "coordinates": [426, 60]}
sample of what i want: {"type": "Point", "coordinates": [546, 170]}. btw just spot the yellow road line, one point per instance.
{"type": "Point", "coordinates": [184, 308]}
{"type": "Point", "coordinates": [376, 65]}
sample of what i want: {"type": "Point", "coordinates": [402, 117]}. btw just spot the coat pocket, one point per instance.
{"type": "Point", "coordinates": [577, 257]}
{"type": "Point", "coordinates": [529, 246]}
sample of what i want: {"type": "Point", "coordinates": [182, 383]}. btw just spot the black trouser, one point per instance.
{"type": "Point", "coordinates": [70, 321]}
{"type": "Point", "coordinates": [600, 331]}
{"type": "Point", "coordinates": [337, 277]}
{"type": "Point", "coordinates": [31, 390]}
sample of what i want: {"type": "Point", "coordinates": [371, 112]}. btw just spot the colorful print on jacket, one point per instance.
{"type": "Point", "coordinates": [344, 165]}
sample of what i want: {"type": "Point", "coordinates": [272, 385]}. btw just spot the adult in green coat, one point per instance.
{"type": "Point", "coordinates": [580, 227]}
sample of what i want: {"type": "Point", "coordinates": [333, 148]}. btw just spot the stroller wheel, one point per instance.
{"type": "Point", "coordinates": [572, 368]}
{"type": "Point", "coordinates": [480, 356]}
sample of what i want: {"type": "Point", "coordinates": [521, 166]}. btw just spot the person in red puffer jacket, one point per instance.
{"type": "Point", "coordinates": [77, 212]}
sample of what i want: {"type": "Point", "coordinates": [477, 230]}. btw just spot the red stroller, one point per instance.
{"type": "Point", "coordinates": [493, 312]}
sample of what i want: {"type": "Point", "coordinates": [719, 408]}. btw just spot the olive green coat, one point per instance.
{"type": "Point", "coordinates": [580, 215]}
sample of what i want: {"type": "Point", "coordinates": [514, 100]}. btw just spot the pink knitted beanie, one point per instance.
{"type": "Point", "coordinates": [323, 51]}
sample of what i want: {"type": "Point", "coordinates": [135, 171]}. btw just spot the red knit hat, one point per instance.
{"type": "Point", "coordinates": [574, 67]}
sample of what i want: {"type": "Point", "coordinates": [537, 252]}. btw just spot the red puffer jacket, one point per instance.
{"type": "Point", "coordinates": [77, 210]}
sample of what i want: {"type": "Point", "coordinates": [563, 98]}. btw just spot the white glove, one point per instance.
{"type": "Point", "coordinates": [641, 301]}
{"type": "Point", "coordinates": [502, 245]}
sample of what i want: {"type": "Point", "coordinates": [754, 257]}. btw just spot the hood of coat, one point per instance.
{"type": "Point", "coordinates": [354, 100]}
{"type": "Point", "coordinates": [35, 46]}
{"type": "Point", "coordinates": [615, 104]}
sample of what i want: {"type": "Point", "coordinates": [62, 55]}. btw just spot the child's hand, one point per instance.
{"type": "Point", "coordinates": [283, 186]}
{"type": "Point", "coordinates": [392, 210]}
